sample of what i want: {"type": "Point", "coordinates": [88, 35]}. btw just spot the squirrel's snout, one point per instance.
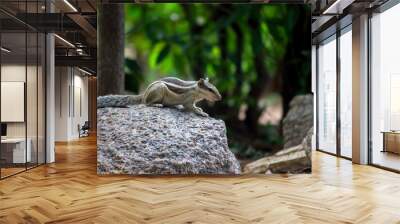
{"type": "Point", "coordinates": [218, 97]}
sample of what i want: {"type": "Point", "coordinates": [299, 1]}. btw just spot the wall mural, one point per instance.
{"type": "Point", "coordinates": [211, 89]}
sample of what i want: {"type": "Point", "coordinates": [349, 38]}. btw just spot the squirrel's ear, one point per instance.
{"type": "Point", "coordinates": [200, 82]}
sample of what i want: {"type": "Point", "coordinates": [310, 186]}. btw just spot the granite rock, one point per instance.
{"type": "Point", "coordinates": [298, 120]}
{"type": "Point", "coordinates": [295, 157]}
{"type": "Point", "coordinates": [160, 140]}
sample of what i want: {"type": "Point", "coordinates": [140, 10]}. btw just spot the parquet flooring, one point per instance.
{"type": "Point", "coordinates": [10, 171]}
{"type": "Point", "coordinates": [69, 191]}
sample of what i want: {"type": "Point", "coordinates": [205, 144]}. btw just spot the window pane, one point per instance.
{"type": "Point", "coordinates": [41, 99]}
{"type": "Point", "coordinates": [346, 94]}
{"type": "Point", "coordinates": [385, 84]}
{"type": "Point", "coordinates": [327, 96]}
{"type": "Point", "coordinates": [15, 151]}
{"type": "Point", "coordinates": [31, 97]}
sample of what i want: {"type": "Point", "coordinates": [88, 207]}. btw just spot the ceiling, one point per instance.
{"type": "Point", "coordinates": [74, 22]}
{"type": "Point", "coordinates": [332, 15]}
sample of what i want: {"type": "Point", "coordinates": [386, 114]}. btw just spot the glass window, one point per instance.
{"type": "Point", "coordinates": [22, 93]}
{"type": "Point", "coordinates": [41, 99]}
{"type": "Point", "coordinates": [385, 89]}
{"type": "Point", "coordinates": [327, 96]}
{"type": "Point", "coordinates": [31, 96]}
{"type": "Point", "coordinates": [15, 151]}
{"type": "Point", "coordinates": [346, 93]}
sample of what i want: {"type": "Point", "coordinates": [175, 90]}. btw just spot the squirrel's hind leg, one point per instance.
{"type": "Point", "coordinates": [154, 95]}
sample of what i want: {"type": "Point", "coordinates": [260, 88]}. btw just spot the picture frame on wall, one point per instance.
{"type": "Point", "coordinates": [196, 94]}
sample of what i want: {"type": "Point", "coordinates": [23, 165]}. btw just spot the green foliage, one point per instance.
{"type": "Point", "coordinates": [245, 151]}
{"type": "Point", "coordinates": [218, 41]}
{"type": "Point", "coordinates": [133, 75]}
{"type": "Point", "coordinates": [271, 134]}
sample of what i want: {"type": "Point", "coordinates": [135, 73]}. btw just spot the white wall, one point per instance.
{"type": "Point", "coordinates": [81, 113]}
{"type": "Point", "coordinates": [33, 126]}
{"type": "Point", "coordinates": [71, 102]}
{"type": "Point", "coordinates": [62, 81]}
{"type": "Point", "coordinates": [12, 73]}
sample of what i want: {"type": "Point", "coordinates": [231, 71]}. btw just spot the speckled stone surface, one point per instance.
{"type": "Point", "coordinates": [158, 140]}
{"type": "Point", "coordinates": [298, 120]}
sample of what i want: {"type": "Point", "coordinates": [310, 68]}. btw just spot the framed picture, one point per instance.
{"type": "Point", "coordinates": [218, 88]}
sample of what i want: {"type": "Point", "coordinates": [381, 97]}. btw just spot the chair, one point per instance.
{"type": "Point", "coordinates": [84, 130]}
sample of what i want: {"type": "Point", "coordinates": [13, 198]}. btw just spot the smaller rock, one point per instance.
{"type": "Point", "coordinates": [296, 159]}
{"type": "Point", "coordinates": [298, 119]}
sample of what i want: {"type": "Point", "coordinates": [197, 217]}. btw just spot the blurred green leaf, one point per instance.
{"type": "Point", "coordinates": [133, 75]}
{"type": "Point", "coordinates": [163, 53]}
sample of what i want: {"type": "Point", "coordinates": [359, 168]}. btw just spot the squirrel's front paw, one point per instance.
{"type": "Point", "coordinates": [179, 107]}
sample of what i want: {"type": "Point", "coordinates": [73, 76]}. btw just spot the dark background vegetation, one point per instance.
{"type": "Point", "coordinates": [256, 55]}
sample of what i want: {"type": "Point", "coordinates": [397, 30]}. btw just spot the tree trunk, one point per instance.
{"type": "Point", "coordinates": [110, 53]}
{"type": "Point", "coordinates": [196, 51]}
{"type": "Point", "coordinates": [258, 86]}
{"type": "Point", "coordinates": [293, 79]}
{"type": "Point", "coordinates": [238, 56]}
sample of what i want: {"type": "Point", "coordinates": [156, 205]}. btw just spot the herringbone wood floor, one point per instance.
{"type": "Point", "coordinates": [69, 191]}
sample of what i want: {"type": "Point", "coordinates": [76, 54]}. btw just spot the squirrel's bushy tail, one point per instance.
{"type": "Point", "coordinates": [118, 100]}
